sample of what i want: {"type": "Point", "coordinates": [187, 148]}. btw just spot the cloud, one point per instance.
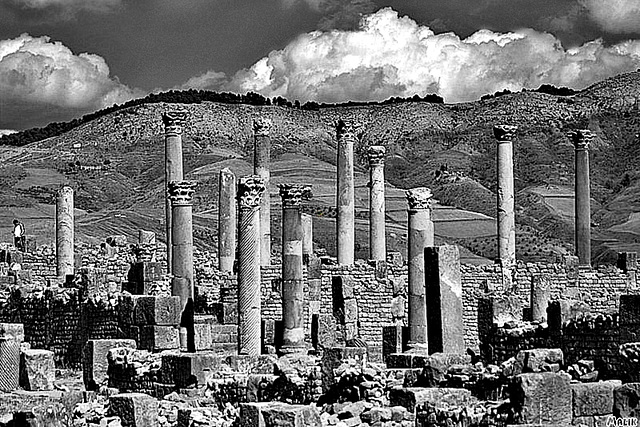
{"type": "Point", "coordinates": [38, 75]}
{"type": "Point", "coordinates": [336, 14]}
{"type": "Point", "coordinates": [208, 80]}
{"type": "Point", "coordinates": [615, 16]}
{"type": "Point", "coordinates": [390, 55]}
{"type": "Point", "coordinates": [68, 5]}
{"type": "Point", "coordinates": [4, 132]}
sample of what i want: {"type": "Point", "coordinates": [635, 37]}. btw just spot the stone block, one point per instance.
{"type": "Point", "coordinates": [146, 271]}
{"type": "Point", "coordinates": [195, 417]}
{"type": "Point", "coordinates": [37, 370]}
{"type": "Point", "coordinates": [538, 359]}
{"type": "Point", "coordinates": [12, 331]}
{"type": "Point", "coordinates": [629, 310]}
{"type": "Point", "coordinates": [188, 369]}
{"type": "Point", "coordinates": [276, 414]}
{"type": "Point", "coordinates": [315, 286]}
{"type": "Point", "coordinates": [158, 338]}
{"type": "Point", "coordinates": [591, 421]}
{"type": "Point", "coordinates": [134, 409]}
{"type": "Point", "coordinates": [202, 336]}
{"type": "Point", "coordinates": [590, 399]}
{"type": "Point", "coordinates": [540, 294]}
{"type": "Point", "coordinates": [411, 397]}
{"type": "Point", "coordinates": [334, 357]}
{"type": "Point", "coordinates": [560, 312]}
{"type": "Point", "coordinates": [626, 401]}
{"type": "Point", "coordinates": [542, 398]}
{"type": "Point", "coordinates": [261, 364]}
{"type": "Point", "coordinates": [500, 309]}
{"type": "Point", "coordinates": [350, 310]}
{"type": "Point", "coordinates": [9, 364]}
{"type": "Point", "coordinates": [94, 360]}
{"type": "Point", "coordinates": [328, 335]}
{"type": "Point", "coordinates": [229, 313]}
{"type": "Point", "coordinates": [157, 310]}
{"type": "Point", "coordinates": [393, 340]}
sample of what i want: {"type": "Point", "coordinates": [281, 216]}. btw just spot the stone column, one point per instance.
{"type": "Point", "coordinates": [581, 139]}
{"type": "Point", "coordinates": [226, 220]}
{"type": "Point", "coordinates": [250, 191]}
{"type": "Point", "coordinates": [421, 235]}
{"type": "Point", "coordinates": [377, 240]}
{"type": "Point", "coordinates": [146, 249]}
{"type": "Point", "coordinates": [540, 295]}
{"type": "Point", "coordinates": [307, 236]}
{"type": "Point", "coordinates": [261, 168]}
{"type": "Point", "coordinates": [173, 122]}
{"type": "Point", "coordinates": [506, 201]}
{"type": "Point", "coordinates": [292, 292]}
{"type": "Point", "coordinates": [64, 232]}
{"type": "Point", "coordinates": [347, 134]}
{"type": "Point", "coordinates": [182, 285]}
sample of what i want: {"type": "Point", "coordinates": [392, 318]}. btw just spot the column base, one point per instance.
{"type": "Point", "coordinates": [291, 349]}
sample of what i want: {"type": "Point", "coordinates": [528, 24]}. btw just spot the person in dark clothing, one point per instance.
{"type": "Point", "coordinates": [19, 239]}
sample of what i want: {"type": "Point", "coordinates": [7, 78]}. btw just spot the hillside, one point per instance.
{"type": "Point", "coordinates": [116, 164]}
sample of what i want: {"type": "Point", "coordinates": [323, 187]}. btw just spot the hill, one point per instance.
{"type": "Point", "coordinates": [115, 161]}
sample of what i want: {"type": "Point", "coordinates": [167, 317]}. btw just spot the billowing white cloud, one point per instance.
{"type": "Point", "coordinates": [4, 132]}
{"type": "Point", "coordinates": [615, 16]}
{"type": "Point", "coordinates": [390, 55]}
{"type": "Point", "coordinates": [210, 79]}
{"type": "Point", "coordinates": [36, 72]}
{"type": "Point", "coordinates": [69, 5]}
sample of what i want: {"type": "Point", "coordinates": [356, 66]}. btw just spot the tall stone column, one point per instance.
{"type": "Point", "coordinates": [173, 122]}
{"type": "Point", "coordinates": [250, 191]}
{"type": "Point", "coordinates": [226, 220]}
{"type": "Point", "coordinates": [307, 236]}
{"type": "Point", "coordinates": [506, 201]}
{"type": "Point", "coordinates": [292, 291]}
{"type": "Point", "coordinates": [182, 285]}
{"type": "Point", "coordinates": [377, 240]}
{"type": "Point", "coordinates": [581, 140]}
{"type": "Point", "coordinates": [261, 168]}
{"type": "Point", "coordinates": [64, 232]}
{"type": "Point", "coordinates": [347, 134]}
{"type": "Point", "coordinates": [421, 235]}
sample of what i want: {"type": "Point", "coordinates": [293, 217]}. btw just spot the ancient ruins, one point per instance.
{"type": "Point", "coordinates": [298, 338]}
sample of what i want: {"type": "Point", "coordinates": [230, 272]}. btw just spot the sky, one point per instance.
{"type": "Point", "coordinates": [60, 59]}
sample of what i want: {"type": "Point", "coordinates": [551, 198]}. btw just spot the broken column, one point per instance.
{"type": "Point", "coordinates": [226, 220]}
{"type": "Point", "coordinates": [347, 134]}
{"type": "Point", "coordinates": [64, 231]}
{"type": "Point", "coordinates": [250, 191]}
{"type": "Point", "coordinates": [307, 237]}
{"type": "Point", "coordinates": [146, 249]}
{"type": "Point", "coordinates": [540, 295]}
{"type": "Point", "coordinates": [182, 285]}
{"type": "Point", "coordinates": [420, 236]}
{"type": "Point", "coordinates": [261, 168]}
{"type": "Point", "coordinates": [173, 122]}
{"type": "Point", "coordinates": [377, 242]}
{"type": "Point", "coordinates": [292, 290]}
{"type": "Point", "coordinates": [581, 139]}
{"type": "Point", "coordinates": [444, 305]}
{"type": "Point", "coordinates": [506, 202]}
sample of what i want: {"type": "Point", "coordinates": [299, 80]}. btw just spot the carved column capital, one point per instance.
{"type": "Point", "coordinates": [348, 130]}
{"type": "Point", "coordinates": [376, 154]}
{"type": "Point", "coordinates": [262, 126]}
{"type": "Point", "coordinates": [504, 133]}
{"type": "Point", "coordinates": [292, 194]}
{"type": "Point", "coordinates": [65, 191]}
{"type": "Point", "coordinates": [174, 121]}
{"type": "Point", "coordinates": [250, 191]}
{"type": "Point", "coordinates": [582, 138]}
{"type": "Point", "coordinates": [181, 192]}
{"type": "Point", "coordinates": [419, 198]}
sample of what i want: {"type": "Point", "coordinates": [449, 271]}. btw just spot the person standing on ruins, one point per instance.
{"type": "Point", "coordinates": [18, 235]}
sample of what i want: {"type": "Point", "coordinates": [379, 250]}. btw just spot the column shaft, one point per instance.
{"type": "Point", "coordinates": [64, 232]}
{"type": "Point", "coordinates": [377, 239]}
{"type": "Point", "coordinates": [173, 122]}
{"type": "Point", "coordinates": [345, 199]}
{"type": "Point", "coordinates": [226, 220]}
{"type": "Point", "coordinates": [582, 139]}
{"type": "Point", "coordinates": [261, 168]}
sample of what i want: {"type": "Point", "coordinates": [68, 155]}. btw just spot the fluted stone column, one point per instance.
{"type": "Point", "coordinates": [506, 201]}
{"type": "Point", "coordinates": [347, 134]}
{"type": "Point", "coordinates": [64, 232]}
{"type": "Point", "coordinates": [226, 220]}
{"type": "Point", "coordinates": [261, 168]}
{"type": "Point", "coordinates": [581, 140]}
{"type": "Point", "coordinates": [173, 123]}
{"type": "Point", "coordinates": [421, 235]}
{"type": "Point", "coordinates": [292, 290]}
{"type": "Point", "coordinates": [307, 236]}
{"type": "Point", "coordinates": [182, 285]}
{"type": "Point", "coordinates": [377, 240]}
{"type": "Point", "coordinates": [250, 191]}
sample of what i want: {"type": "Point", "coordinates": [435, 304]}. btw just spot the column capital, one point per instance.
{"type": "Point", "coordinates": [504, 133]}
{"type": "Point", "coordinates": [292, 194]}
{"type": "Point", "coordinates": [250, 190]}
{"type": "Point", "coordinates": [419, 198]}
{"type": "Point", "coordinates": [65, 190]}
{"type": "Point", "coordinates": [348, 130]}
{"type": "Point", "coordinates": [262, 126]}
{"type": "Point", "coordinates": [582, 138]}
{"type": "Point", "coordinates": [174, 121]}
{"type": "Point", "coordinates": [181, 192]}
{"type": "Point", "coordinates": [376, 154]}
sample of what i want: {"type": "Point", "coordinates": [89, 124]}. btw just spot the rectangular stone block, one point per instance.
{"type": "Point", "coordinates": [501, 309]}
{"type": "Point", "coordinates": [261, 364]}
{"type": "Point", "coordinates": [542, 398]}
{"type": "Point", "coordinates": [134, 409]}
{"type": "Point", "coordinates": [411, 397]}
{"type": "Point", "coordinates": [590, 399]}
{"type": "Point", "coordinates": [315, 286]}
{"type": "Point", "coordinates": [534, 360]}
{"type": "Point", "coordinates": [350, 310]}
{"type": "Point", "coordinates": [445, 329]}
{"type": "Point", "coordinates": [276, 414]}
{"type": "Point", "coordinates": [94, 360]}
{"type": "Point", "coordinates": [229, 313]}
{"type": "Point", "coordinates": [327, 331]}
{"type": "Point", "coordinates": [393, 340]}
{"type": "Point", "coordinates": [188, 369]}
{"type": "Point", "coordinates": [9, 364]}
{"type": "Point", "coordinates": [193, 417]}
{"type": "Point", "coordinates": [37, 370]}
{"type": "Point", "coordinates": [202, 336]}
{"type": "Point", "coordinates": [157, 310]}
{"type": "Point", "coordinates": [158, 338]}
